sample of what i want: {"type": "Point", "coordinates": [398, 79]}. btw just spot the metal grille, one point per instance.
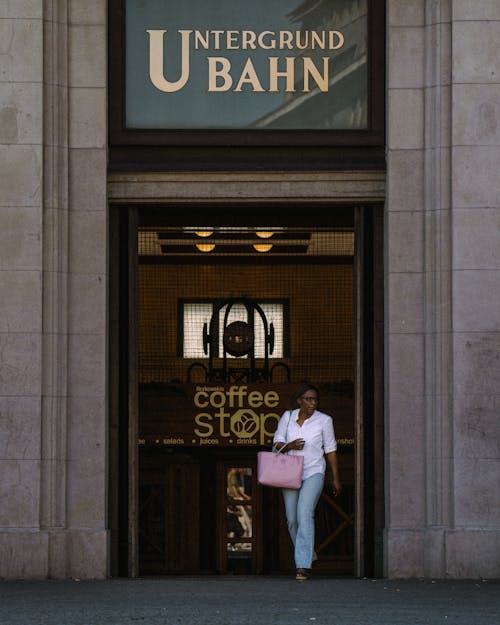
{"type": "Point", "coordinates": [310, 273]}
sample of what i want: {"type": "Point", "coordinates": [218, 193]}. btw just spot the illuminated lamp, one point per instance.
{"type": "Point", "coordinates": [260, 247]}
{"type": "Point", "coordinates": [264, 235]}
{"type": "Point", "coordinates": [204, 233]}
{"type": "Point", "coordinates": [205, 247]}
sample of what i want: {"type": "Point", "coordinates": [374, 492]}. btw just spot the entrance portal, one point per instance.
{"type": "Point", "coordinates": [233, 314]}
{"type": "Point", "coordinates": [231, 321]}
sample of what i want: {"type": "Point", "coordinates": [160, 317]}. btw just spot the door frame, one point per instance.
{"type": "Point", "coordinates": [369, 387]}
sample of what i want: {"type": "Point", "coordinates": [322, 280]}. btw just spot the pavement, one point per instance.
{"type": "Point", "coordinates": [241, 600]}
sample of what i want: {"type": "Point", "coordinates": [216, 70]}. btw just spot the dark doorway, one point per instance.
{"type": "Point", "coordinates": [186, 448]}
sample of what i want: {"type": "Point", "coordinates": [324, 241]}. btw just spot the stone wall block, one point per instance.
{"type": "Point", "coordinates": [87, 302]}
{"type": "Point", "coordinates": [23, 555]}
{"type": "Point", "coordinates": [56, 12]}
{"type": "Point", "coordinates": [485, 10]}
{"type": "Point", "coordinates": [87, 56]}
{"type": "Point", "coordinates": [55, 121]}
{"type": "Point", "coordinates": [477, 426]}
{"type": "Point", "coordinates": [55, 253]}
{"type": "Point", "coordinates": [437, 58]}
{"type": "Point", "coordinates": [92, 12]}
{"type": "Point", "coordinates": [475, 177]}
{"type": "Point", "coordinates": [88, 236]}
{"type": "Point", "coordinates": [406, 365]}
{"type": "Point", "coordinates": [21, 47]}
{"type": "Point", "coordinates": [475, 52]}
{"type": "Point", "coordinates": [20, 113]}
{"type": "Point", "coordinates": [400, 13]}
{"type": "Point", "coordinates": [476, 359]}
{"type": "Point", "coordinates": [21, 308]}
{"type": "Point", "coordinates": [405, 471]}
{"type": "Point", "coordinates": [405, 104]}
{"type": "Point", "coordinates": [476, 238]}
{"type": "Point", "coordinates": [87, 365]}
{"type": "Point", "coordinates": [476, 114]}
{"type": "Point", "coordinates": [21, 9]}
{"type": "Point", "coordinates": [405, 180]}
{"type": "Point", "coordinates": [20, 238]}
{"type": "Point", "coordinates": [473, 554]}
{"type": "Point", "coordinates": [88, 109]}
{"type": "Point", "coordinates": [476, 479]}
{"type": "Point", "coordinates": [406, 50]}
{"type": "Point", "coordinates": [20, 364]}
{"type": "Point", "coordinates": [407, 306]}
{"type": "Point", "coordinates": [438, 245]}
{"type": "Point", "coordinates": [85, 165]}
{"type": "Point", "coordinates": [437, 103]}
{"type": "Point", "coordinates": [405, 247]}
{"type": "Point", "coordinates": [20, 428]}
{"type": "Point", "coordinates": [476, 301]}
{"type": "Point", "coordinates": [405, 553]}
{"type": "Point", "coordinates": [21, 180]}
{"type": "Point", "coordinates": [87, 488]}
{"type": "Point", "coordinates": [55, 191]}
{"type": "Point", "coordinates": [88, 554]}
{"type": "Point", "coordinates": [19, 493]}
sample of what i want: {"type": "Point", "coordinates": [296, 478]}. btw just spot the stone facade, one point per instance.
{"type": "Point", "coordinates": [53, 289]}
{"type": "Point", "coordinates": [442, 272]}
{"type": "Point", "coordinates": [442, 328]}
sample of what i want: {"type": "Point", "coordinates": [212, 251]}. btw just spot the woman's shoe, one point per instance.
{"type": "Point", "coordinates": [302, 575]}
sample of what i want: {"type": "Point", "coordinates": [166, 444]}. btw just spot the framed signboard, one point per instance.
{"type": "Point", "coordinates": [239, 73]}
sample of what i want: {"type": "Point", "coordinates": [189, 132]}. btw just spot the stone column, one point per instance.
{"type": "Point", "coordinates": [23, 548]}
{"type": "Point", "coordinates": [86, 495]}
{"type": "Point", "coordinates": [473, 543]}
{"type": "Point", "coordinates": [53, 251]}
{"type": "Point", "coordinates": [405, 428]}
{"type": "Point", "coordinates": [443, 459]}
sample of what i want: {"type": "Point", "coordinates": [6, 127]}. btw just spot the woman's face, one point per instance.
{"type": "Point", "coordinates": [308, 401]}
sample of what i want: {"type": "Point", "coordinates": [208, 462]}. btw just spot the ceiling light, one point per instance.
{"type": "Point", "coordinates": [205, 247]}
{"type": "Point", "coordinates": [259, 247]}
{"type": "Point", "coordinates": [204, 233]}
{"type": "Point", "coordinates": [263, 234]}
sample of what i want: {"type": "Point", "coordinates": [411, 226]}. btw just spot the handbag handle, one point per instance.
{"type": "Point", "coordinates": [280, 451]}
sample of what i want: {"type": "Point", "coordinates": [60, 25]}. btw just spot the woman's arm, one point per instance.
{"type": "Point", "coordinates": [298, 443]}
{"type": "Point", "coordinates": [334, 465]}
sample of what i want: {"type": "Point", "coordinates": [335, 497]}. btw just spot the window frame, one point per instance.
{"type": "Point", "coordinates": [121, 136]}
{"type": "Point", "coordinates": [284, 302]}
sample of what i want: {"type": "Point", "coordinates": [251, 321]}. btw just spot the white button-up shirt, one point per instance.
{"type": "Point", "coordinates": [318, 434]}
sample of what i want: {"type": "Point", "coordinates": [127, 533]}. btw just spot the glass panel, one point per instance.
{"type": "Point", "coordinates": [239, 521]}
{"type": "Point", "coordinates": [240, 547]}
{"type": "Point", "coordinates": [274, 315]}
{"type": "Point", "coordinates": [195, 316]}
{"type": "Point", "coordinates": [222, 64]}
{"type": "Point", "coordinates": [239, 483]}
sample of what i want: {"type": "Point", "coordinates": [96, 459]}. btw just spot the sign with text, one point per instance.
{"type": "Point", "coordinates": [220, 64]}
{"type": "Point", "coordinates": [181, 414]}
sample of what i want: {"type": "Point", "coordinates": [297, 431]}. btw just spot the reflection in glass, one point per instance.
{"type": "Point", "coordinates": [239, 483]}
{"type": "Point", "coordinates": [239, 521]}
{"type": "Point", "coordinates": [241, 547]}
{"type": "Point", "coordinates": [306, 67]}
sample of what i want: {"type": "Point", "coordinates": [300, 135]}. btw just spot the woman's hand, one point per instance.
{"type": "Point", "coordinates": [297, 444]}
{"type": "Point", "coordinates": [336, 487]}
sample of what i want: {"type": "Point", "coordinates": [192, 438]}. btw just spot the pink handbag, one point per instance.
{"type": "Point", "coordinates": [279, 469]}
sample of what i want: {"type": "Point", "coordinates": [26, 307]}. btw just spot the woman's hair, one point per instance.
{"type": "Point", "coordinates": [302, 390]}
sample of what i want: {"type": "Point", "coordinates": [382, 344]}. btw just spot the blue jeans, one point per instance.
{"type": "Point", "coordinates": [299, 507]}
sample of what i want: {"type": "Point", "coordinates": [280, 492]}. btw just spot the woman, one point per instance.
{"type": "Point", "coordinates": [308, 432]}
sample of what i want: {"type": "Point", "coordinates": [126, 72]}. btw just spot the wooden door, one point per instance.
{"type": "Point", "coordinates": [169, 515]}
